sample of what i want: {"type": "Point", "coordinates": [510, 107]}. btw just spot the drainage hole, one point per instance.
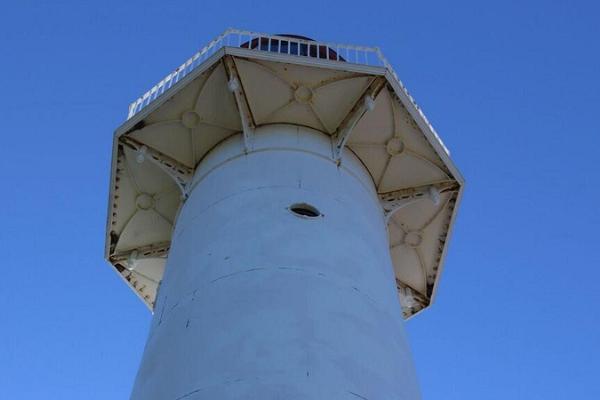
{"type": "Point", "coordinates": [305, 210]}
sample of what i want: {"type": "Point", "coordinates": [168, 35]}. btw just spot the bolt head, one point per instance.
{"type": "Point", "coordinates": [394, 146]}
{"type": "Point", "coordinates": [303, 94]}
{"type": "Point", "coordinates": [413, 239]}
{"type": "Point", "coordinates": [144, 201]}
{"type": "Point", "coordinates": [190, 119]}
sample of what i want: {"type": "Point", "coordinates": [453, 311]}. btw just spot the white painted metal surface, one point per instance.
{"type": "Point", "coordinates": [260, 303]}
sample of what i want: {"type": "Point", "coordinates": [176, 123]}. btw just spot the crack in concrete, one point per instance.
{"type": "Point", "coordinates": [358, 395]}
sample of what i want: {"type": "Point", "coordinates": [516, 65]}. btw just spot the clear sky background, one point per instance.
{"type": "Point", "coordinates": [513, 88]}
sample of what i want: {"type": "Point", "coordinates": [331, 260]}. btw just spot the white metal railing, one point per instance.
{"type": "Point", "coordinates": [279, 44]}
{"type": "Point", "coordinates": [262, 42]}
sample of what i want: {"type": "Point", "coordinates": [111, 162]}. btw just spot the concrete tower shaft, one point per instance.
{"type": "Point", "coordinates": [263, 299]}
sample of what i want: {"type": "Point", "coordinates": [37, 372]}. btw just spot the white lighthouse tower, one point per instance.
{"type": "Point", "coordinates": [281, 205]}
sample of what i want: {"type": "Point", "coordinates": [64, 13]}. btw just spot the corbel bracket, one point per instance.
{"type": "Point", "coordinates": [155, 250]}
{"type": "Point", "coordinates": [364, 104]}
{"type": "Point", "coordinates": [393, 201]}
{"type": "Point", "coordinates": [411, 300]}
{"type": "Point", "coordinates": [234, 85]}
{"type": "Point", "coordinates": [179, 172]}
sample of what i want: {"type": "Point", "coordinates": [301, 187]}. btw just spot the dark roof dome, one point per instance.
{"type": "Point", "coordinates": [300, 47]}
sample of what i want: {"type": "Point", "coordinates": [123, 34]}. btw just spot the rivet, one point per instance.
{"type": "Point", "coordinates": [144, 201]}
{"type": "Point", "coordinates": [394, 146]}
{"type": "Point", "coordinates": [413, 239]}
{"type": "Point", "coordinates": [303, 94]}
{"type": "Point", "coordinates": [190, 119]}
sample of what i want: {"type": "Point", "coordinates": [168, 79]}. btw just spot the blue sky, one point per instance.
{"type": "Point", "coordinates": [512, 87]}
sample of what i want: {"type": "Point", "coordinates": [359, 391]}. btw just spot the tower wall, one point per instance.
{"type": "Point", "coordinates": [260, 303]}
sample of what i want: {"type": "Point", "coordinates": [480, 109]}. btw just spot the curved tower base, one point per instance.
{"type": "Point", "coordinates": [279, 282]}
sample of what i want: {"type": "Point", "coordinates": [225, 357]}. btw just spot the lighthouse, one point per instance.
{"type": "Point", "coordinates": [281, 205]}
